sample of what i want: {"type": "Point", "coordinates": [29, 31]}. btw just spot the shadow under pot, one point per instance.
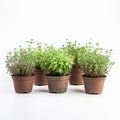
{"type": "Point", "coordinates": [57, 84]}
{"type": "Point", "coordinates": [94, 85]}
{"type": "Point", "coordinates": [40, 78]}
{"type": "Point", "coordinates": [23, 84]}
{"type": "Point", "coordinates": [76, 77]}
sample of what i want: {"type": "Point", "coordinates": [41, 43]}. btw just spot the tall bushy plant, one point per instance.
{"type": "Point", "coordinates": [56, 61]}
{"type": "Point", "coordinates": [96, 61]}
{"type": "Point", "coordinates": [21, 61]}
{"type": "Point", "coordinates": [73, 48]}
{"type": "Point", "coordinates": [39, 55]}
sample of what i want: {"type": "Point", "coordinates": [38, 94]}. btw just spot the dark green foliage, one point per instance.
{"type": "Point", "coordinates": [96, 61]}
{"type": "Point", "coordinates": [21, 61]}
{"type": "Point", "coordinates": [56, 61]}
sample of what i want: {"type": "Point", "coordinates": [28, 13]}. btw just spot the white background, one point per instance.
{"type": "Point", "coordinates": [52, 21]}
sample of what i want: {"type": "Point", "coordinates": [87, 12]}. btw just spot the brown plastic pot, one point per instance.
{"type": "Point", "coordinates": [40, 78]}
{"type": "Point", "coordinates": [57, 84]}
{"type": "Point", "coordinates": [23, 84]}
{"type": "Point", "coordinates": [76, 77]}
{"type": "Point", "coordinates": [94, 85]}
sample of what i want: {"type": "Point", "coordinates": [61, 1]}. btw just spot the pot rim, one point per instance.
{"type": "Point", "coordinates": [22, 75]}
{"type": "Point", "coordinates": [85, 76]}
{"type": "Point", "coordinates": [47, 75]}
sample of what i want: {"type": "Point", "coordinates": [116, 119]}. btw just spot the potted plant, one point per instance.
{"type": "Point", "coordinates": [39, 73]}
{"type": "Point", "coordinates": [20, 63]}
{"type": "Point", "coordinates": [96, 64]}
{"type": "Point", "coordinates": [58, 63]}
{"type": "Point", "coordinates": [73, 48]}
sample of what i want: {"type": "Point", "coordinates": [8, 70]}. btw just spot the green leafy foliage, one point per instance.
{"type": "Point", "coordinates": [73, 48]}
{"type": "Point", "coordinates": [96, 61]}
{"type": "Point", "coordinates": [39, 55]}
{"type": "Point", "coordinates": [21, 61]}
{"type": "Point", "coordinates": [56, 61]}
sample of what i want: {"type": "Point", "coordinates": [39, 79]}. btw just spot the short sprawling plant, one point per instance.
{"type": "Point", "coordinates": [21, 61]}
{"type": "Point", "coordinates": [56, 61]}
{"type": "Point", "coordinates": [96, 61]}
{"type": "Point", "coordinates": [73, 48]}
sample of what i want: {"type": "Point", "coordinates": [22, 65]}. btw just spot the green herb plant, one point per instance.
{"type": "Point", "coordinates": [56, 61]}
{"type": "Point", "coordinates": [39, 55]}
{"type": "Point", "coordinates": [73, 48]}
{"type": "Point", "coordinates": [21, 61]}
{"type": "Point", "coordinates": [96, 61]}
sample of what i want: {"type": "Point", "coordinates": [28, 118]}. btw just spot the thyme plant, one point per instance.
{"type": "Point", "coordinates": [39, 55]}
{"type": "Point", "coordinates": [73, 48]}
{"type": "Point", "coordinates": [96, 61]}
{"type": "Point", "coordinates": [21, 61]}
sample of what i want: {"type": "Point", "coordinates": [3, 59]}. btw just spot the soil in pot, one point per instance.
{"type": "Point", "coordinates": [94, 85]}
{"type": "Point", "coordinates": [40, 78]}
{"type": "Point", "coordinates": [76, 77]}
{"type": "Point", "coordinates": [23, 84]}
{"type": "Point", "coordinates": [57, 84]}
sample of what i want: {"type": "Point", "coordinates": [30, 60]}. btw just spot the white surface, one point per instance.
{"type": "Point", "coordinates": [53, 21]}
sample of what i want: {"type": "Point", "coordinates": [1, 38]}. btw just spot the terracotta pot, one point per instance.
{"type": "Point", "coordinates": [23, 84]}
{"type": "Point", "coordinates": [94, 85]}
{"type": "Point", "coordinates": [40, 78]}
{"type": "Point", "coordinates": [76, 77]}
{"type": "Point", "coordinates": [57, 84]}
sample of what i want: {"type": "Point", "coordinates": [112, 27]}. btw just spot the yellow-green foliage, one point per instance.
{"type": "Point", "coordinates": [56, 61]}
